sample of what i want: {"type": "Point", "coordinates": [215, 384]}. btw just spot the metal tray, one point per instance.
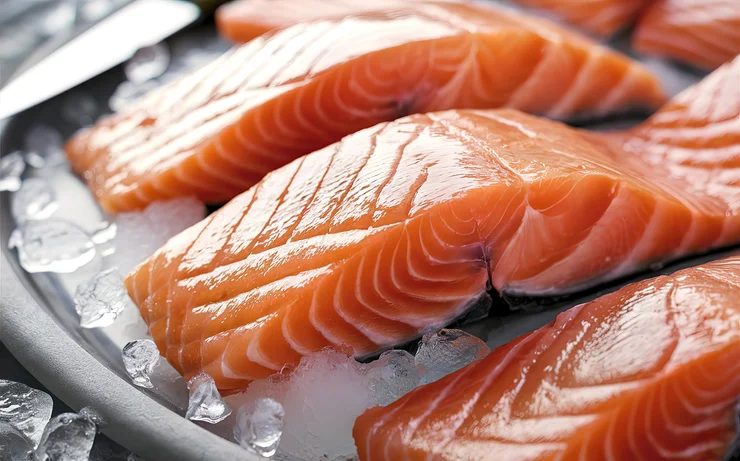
{"type": "Point", "coordinates": [83, 367]}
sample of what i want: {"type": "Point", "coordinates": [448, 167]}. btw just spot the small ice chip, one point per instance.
{"type": "Point", "coordinates": [259, 426]}
{"type": "Point", "coordinates": [11, 169]}
{"type": "Point", "coordinates": [44, 145]}
{"type": "Point", "coordinates": [105, 233]}
{"type": "Point", "coordinates": [14, 446]}
{"type": "Point", "coordinates": [67, 437]}
{"type": "Point", "coordinates": [133, 457]}
{"type": "Point", "coordinates": [205, 402]}
{"type": "Point", "coordinates": [128, 92]}
{"type": "Point", "coordinates": [147, 63]}
{"type": "Point", "coordinates": [92, 415]}
{"type": "Point", "coordinates": [52, 245]}
{"type": "Point", "coordinates": [392, 375]}
{"type": "Point", "coordinates": [80, 108]}
{"type": "Point", "coordinates": [35, 199]}
{"type": "Point", "coordinates": [139, 358]}
{"type": "Point", "coordinates": [25, 408]}
{"type": "Point", "coordinates": [99, 302]}
{"type": "Point", "coordinates": [446, 352]}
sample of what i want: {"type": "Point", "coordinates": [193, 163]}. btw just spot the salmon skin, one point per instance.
{"type": "Point", "coordinates": [599, 17]}
{"type": "Point", "coordinates": [650, 372]}
{"type": "Point", "coordinates": [702, 33]}
{"type": "Point", "coordinates": [215, 133]}
{"type": "Point", "coordinates": [404, 226]}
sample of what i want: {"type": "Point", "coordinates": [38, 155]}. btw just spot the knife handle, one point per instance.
{"type": "Point", "coordinates": [208, 6]}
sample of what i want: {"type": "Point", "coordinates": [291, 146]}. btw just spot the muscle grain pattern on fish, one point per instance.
{"type": "Point", "coordinates": [402, 227]}
{"type": "Point", "coordinates": [702, 33]}
{"type": "Point", "coordinates": [650, 372]}
{"type": "Point", "coordinates": [218, 131]}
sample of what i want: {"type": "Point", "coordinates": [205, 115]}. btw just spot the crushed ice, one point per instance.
{"type": "Point", "coordinates": [11, 169]}
{"type": "Point", "coordinates": [140, 234]}
{"type": "Point", "coordinates": [259, 426]}
{"type": "Point", "coordinates": [35, 200]}
{"type": "Point", "coordinates": [147, 63]}
{"type": "Point", "coordinates": [139, 358]}
{"type": "Point", "coordinates": [205, 403]}
{"type": "Point", "coordinates": [101, 300]}
{"type": "Point", "coordinates": [52, 245]}
{"type": "Point", "coordinates": [392, 375]}
{"type": "Point", "coordinates": [447, 351]}
{"type": "Point", "coordinates": [14, 446]}
{"type": "Point", "coordinates": [128, 92]}
{"type": "Point", "coordinates": [328, 390]}
{"type": "Point", "coordinates": [25, 409]}
{"type": "Point", "coordinates": [67, 437]}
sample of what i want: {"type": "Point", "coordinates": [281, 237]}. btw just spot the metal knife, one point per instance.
{"type": "Point", "coordinates": [101, 47]}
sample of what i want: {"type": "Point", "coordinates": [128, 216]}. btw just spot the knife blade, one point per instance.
{"type": "Point", "coordinates": [103, 46]}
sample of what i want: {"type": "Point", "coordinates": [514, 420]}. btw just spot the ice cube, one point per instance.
{"type": "Point", "coordinates": [67, 437]}
{"type": "Point", "coordinates": [35, 199]}
{"type": "Point", "coordinates": [259, 426]}
{"type": "Point", "coordinates": [52, 245]}
{"type": "Point", "coordinates": [14, 446]}
{"type": "Point", "coordinates": [128, 92]}
{"type": "Point", "coordinates": [140, 234]}
{"type": "Point", "coordinates": [446, 352]}
{"type": "Point", "coordinates": [139, 357]}
{"type": "Point", "coordinates": [99, 302]}
{"type": "Point", "coordinates": [322, 397]}
{"type": "Point", "coordinates": [205, 402]}
{"type": "Point", "coordinates": [11, 169]}
{"type": "Point", "coordinates": [25, 408]}
{"type": "Point", "coordinates": [147, 63]}
{"type": "Point", "coordinates": [44, 145]}
{"type": "Point", "coordinates": [80, 109]}
{"type": "Point", "coordinates": [92, 415]}
{"type": "Point", "coordinates": [392, 375]}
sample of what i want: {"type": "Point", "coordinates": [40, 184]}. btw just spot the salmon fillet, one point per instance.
{"type": "Point", "coordinates": [404, 226]}
{"type": "Point", "coordinates": [215, 133]}
{"type": "Point", "coordinates": [702, 33]}
{"type": "Point", "coordinates": [651, 372]}
{"type": "Point", "coordinates": [243, 20]}
{"type": "Point", "coordinates": [599, 17]}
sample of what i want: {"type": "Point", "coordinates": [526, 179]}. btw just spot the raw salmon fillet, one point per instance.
{"type": "Point", "coordinates": [243, 20]}
{"type": "Point", "coordinates": [406, 225]}
{"type": "Point", "coordinates": [651, 372]}
{"type": "Point", "coordinates": [703, 33]}
{"type": "Point", "coordinates": [217, 132]}
{"type": "Point", "coordinates": [599, 17]}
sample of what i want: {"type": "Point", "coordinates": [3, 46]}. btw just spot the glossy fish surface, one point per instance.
{"type": "Point", "coordinates": [650, 372]}
{"type": "Point", "coordinates": [404, 226]}
{"type": "Point", "coordinates": [216, 132]}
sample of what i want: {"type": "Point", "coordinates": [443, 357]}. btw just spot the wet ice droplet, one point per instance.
{"type": "Point", "coordinates": [259, 426]}
{"type": "Point", "coordinates": [393, 375]}
{"type": "Point", "coordinates": [447, 351]}
{"type": "Point", "coordinates": [35, 199]}
{"type": "Point", "coordinates": [14, 446]}
{"type": "Point", "coordinates": [99, 301]}
{"type": "Point", "coordinates": [139, 358]}
{"type": "Point", "coordinates": [147, 63]}
{"type": "Point", "coordinates": [11, 169]}
{"type": "Point", "coordinates": [25, 408]}
{"type": "Point", "coordinates": [205, 402]}
{"type": "Point", "coordinates": [52, 245]}
{"type": "Point", "coordinates": [92, 415]}
{"type": "Point", "coordinates": [80, 109]}
{"type": "Point", "coordinates": [67, 437]}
